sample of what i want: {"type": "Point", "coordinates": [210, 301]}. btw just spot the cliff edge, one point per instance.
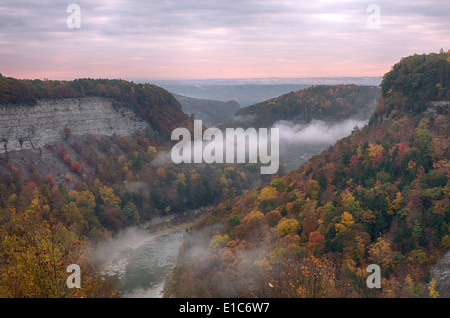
{"type": "Point", "coordinates": [51, 121]}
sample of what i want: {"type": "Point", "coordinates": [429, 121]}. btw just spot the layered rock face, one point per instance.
{"type": "Point", "coordinates": [32, 127]}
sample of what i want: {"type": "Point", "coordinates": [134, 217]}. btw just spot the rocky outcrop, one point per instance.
{"type": "Point", "coordinates": [441, 273]}
{"type": "Point", "coordinates": [32, 127]}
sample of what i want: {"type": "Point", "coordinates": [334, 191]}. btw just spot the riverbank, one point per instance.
{"type": "Point", "coordinates": [162, 224]}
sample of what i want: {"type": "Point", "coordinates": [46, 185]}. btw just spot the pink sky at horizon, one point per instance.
{"type": "Point", "coordinates": [175, 72]}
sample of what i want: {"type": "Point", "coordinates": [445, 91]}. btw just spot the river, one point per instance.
{"type": "Point", "coordinates": [140, 266]}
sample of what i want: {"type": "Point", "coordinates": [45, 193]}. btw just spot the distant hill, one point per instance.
{"type": "Point", "coordinates": [248, 91]}
{"type": "Point", "coordinates": [364, 80]}
{"type": "Point", "coordinates": [211, 112]}
{"type": "Point", "coordinates": [321, 102]}
{"type": "Point", "coordinates": [378, 196]}
{"type": "Point", "coordinates": [244, 94]}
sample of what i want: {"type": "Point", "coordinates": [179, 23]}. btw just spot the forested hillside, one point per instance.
{"type": "Point", "coordinates": [320, 102]}
{"type": "Point", "coordinates": [211, 112]}
{"type": "Point", "coordinates": [413, 83]}
{"type": "Point", "coordinates": [379, 196]}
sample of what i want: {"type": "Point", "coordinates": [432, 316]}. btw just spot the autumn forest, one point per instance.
{"type": "Point", "coordinates": [378, 196]}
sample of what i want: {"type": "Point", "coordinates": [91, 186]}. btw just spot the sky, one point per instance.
{"type": "Point", "coordinates": [210, 39]}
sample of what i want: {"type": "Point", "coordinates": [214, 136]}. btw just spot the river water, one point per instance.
{"type": "Point", "coordinates": [140, 268]}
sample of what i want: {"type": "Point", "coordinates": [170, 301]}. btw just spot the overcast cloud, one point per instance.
{"type": "Point", "coordinates": [215, 39]}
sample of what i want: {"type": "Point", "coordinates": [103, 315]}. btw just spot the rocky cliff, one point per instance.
{"type": "Point", "coordinates": [441, 273]}
{"type": "Point", "coordinates": [32, 127]}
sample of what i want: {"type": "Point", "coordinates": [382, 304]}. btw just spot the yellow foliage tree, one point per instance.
{"type": "Point", "coordinates": [347, 199]}
{"type": "Point", "coordinates": [219, 240]}
{"type": "Point", "coordinates": [432, 289]}
{"type": "Point", "coordinates": [152, 152]}
{"type": "Point", "coordinates": [346, 223]}
{"type": "Point", "coordinates": [267, 193]}
{"type": "Point", "coordinates": [375, 151]}
{"type": "Point", "coordinates": [108, 196]}
{"type": "Point", "coordinates": [397, 202]}
{"type": "Point", "coordinates": [82, 198]}
{"type": "Point", "coordinates": [359, 152]}
{"type": "Point", "coordinates": [381, 252]}
{"type": "Point", "coordinates": [287, 226]}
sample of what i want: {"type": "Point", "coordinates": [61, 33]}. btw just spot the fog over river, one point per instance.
{"type": "Point", "coordinates": [139, 262]}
